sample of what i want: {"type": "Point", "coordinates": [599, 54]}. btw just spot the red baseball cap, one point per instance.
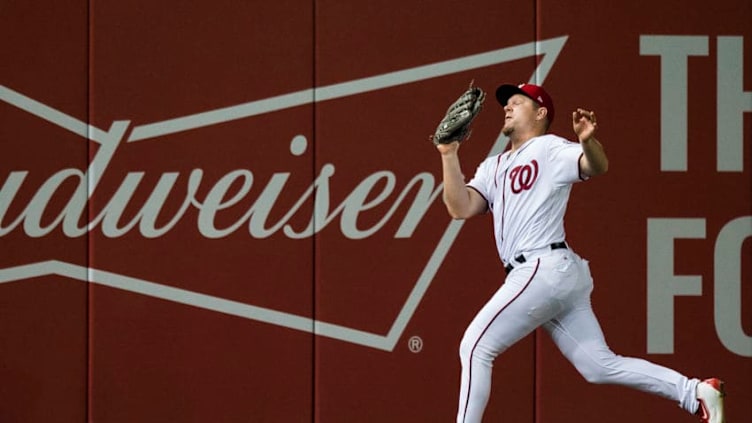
{"type": "Point", "coordinates": [535, 92]}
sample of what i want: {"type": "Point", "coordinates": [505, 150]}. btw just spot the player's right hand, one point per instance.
{"type": "Point", "coordinates": [584, 124]}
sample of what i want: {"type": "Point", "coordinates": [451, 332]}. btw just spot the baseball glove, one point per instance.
{"type": "Point", "coordinates": [455, 126]}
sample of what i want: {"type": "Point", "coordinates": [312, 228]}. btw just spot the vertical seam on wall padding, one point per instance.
{"type": "Point", "coordinates": [314, 237]}
{"type": "Point", "coordinates": [88, 384]}
{"type": "Point", "coordinates": [536, 26]}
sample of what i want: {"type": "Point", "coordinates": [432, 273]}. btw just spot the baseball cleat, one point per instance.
{"type": "Point", "coordinates": [710, 394]}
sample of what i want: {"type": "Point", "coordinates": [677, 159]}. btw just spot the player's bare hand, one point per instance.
{"type": "Point", "coordinates": [584, 124]}
{"type": "Point", "coordinates": [450, 148]}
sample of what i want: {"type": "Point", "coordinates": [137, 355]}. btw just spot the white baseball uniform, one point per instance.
{"type": "Point", "coordinates": [548, 284]}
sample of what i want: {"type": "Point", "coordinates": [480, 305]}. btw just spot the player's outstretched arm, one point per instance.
{"type": "Point", "coordinates": [594, 160]}
{"type": "Point", "coordinates": [460, 201]}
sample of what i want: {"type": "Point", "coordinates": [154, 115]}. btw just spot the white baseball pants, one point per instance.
{"type": "Point", "coordinates": [553, 290]}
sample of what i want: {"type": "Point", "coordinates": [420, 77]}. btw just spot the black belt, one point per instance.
{"type": "Point", "coordinates": [521, 257]}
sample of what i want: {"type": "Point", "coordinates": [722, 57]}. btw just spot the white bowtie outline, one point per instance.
{"type": "Point", "coordinates": [548, 50]}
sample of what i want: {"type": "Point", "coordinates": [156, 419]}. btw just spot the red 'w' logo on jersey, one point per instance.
{"type": "Point", "coordinates": [523, 177]}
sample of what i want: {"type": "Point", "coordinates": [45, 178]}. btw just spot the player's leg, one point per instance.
{"type": "Point", "coordinates": [578, 335]}
{"type": "Point", "coordinates": [502, 321]}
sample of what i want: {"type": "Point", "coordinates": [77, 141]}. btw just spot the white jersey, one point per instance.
{"type": "Point", "coordinates": [527, 191]}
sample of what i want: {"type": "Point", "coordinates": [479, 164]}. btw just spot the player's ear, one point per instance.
{"type": "Point", "coordinates": [542, 113]}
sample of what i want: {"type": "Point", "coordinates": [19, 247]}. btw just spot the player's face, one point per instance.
{"type": "Point", "coordinates": [519, 113]}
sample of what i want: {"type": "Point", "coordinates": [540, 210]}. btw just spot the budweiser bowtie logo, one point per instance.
{"type": "Point", "coordinates": [231, 205]}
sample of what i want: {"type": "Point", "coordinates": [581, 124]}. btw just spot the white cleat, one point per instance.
{"type": "Point", "coordinates": [710, 394]}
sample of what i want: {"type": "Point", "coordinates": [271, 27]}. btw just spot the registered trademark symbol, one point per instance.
{"type": "Point", "coordinates": [415, 343]}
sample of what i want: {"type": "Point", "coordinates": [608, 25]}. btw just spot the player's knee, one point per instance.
{"type": "Point", "coordinates": [471, 348]}
{"type": "Point", "coordinates": [596, 371]}
{"type": "Point", "coordinates": [474, 349]}
{"type": "Point", "coordinates": [596, 363]}
{"type": "Point", "coordinates": [466, 348]}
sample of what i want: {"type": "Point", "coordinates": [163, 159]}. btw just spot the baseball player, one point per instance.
{"type": "Point", "coordinates": [526, 190]}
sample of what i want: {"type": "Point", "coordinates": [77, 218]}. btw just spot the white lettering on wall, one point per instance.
{"type": "Point", "coordinates": [377, 189]}
{"type": "Point", "coordinates": [727, 277]}
{"type": "Point", "coordinates": [663, 284]}
{"type": "Point", "coordinates": [733, 101]}
{"type": "Point", "coordinates": [665, 287]}
{"type": "Point", "coordinates": [674, 51]}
